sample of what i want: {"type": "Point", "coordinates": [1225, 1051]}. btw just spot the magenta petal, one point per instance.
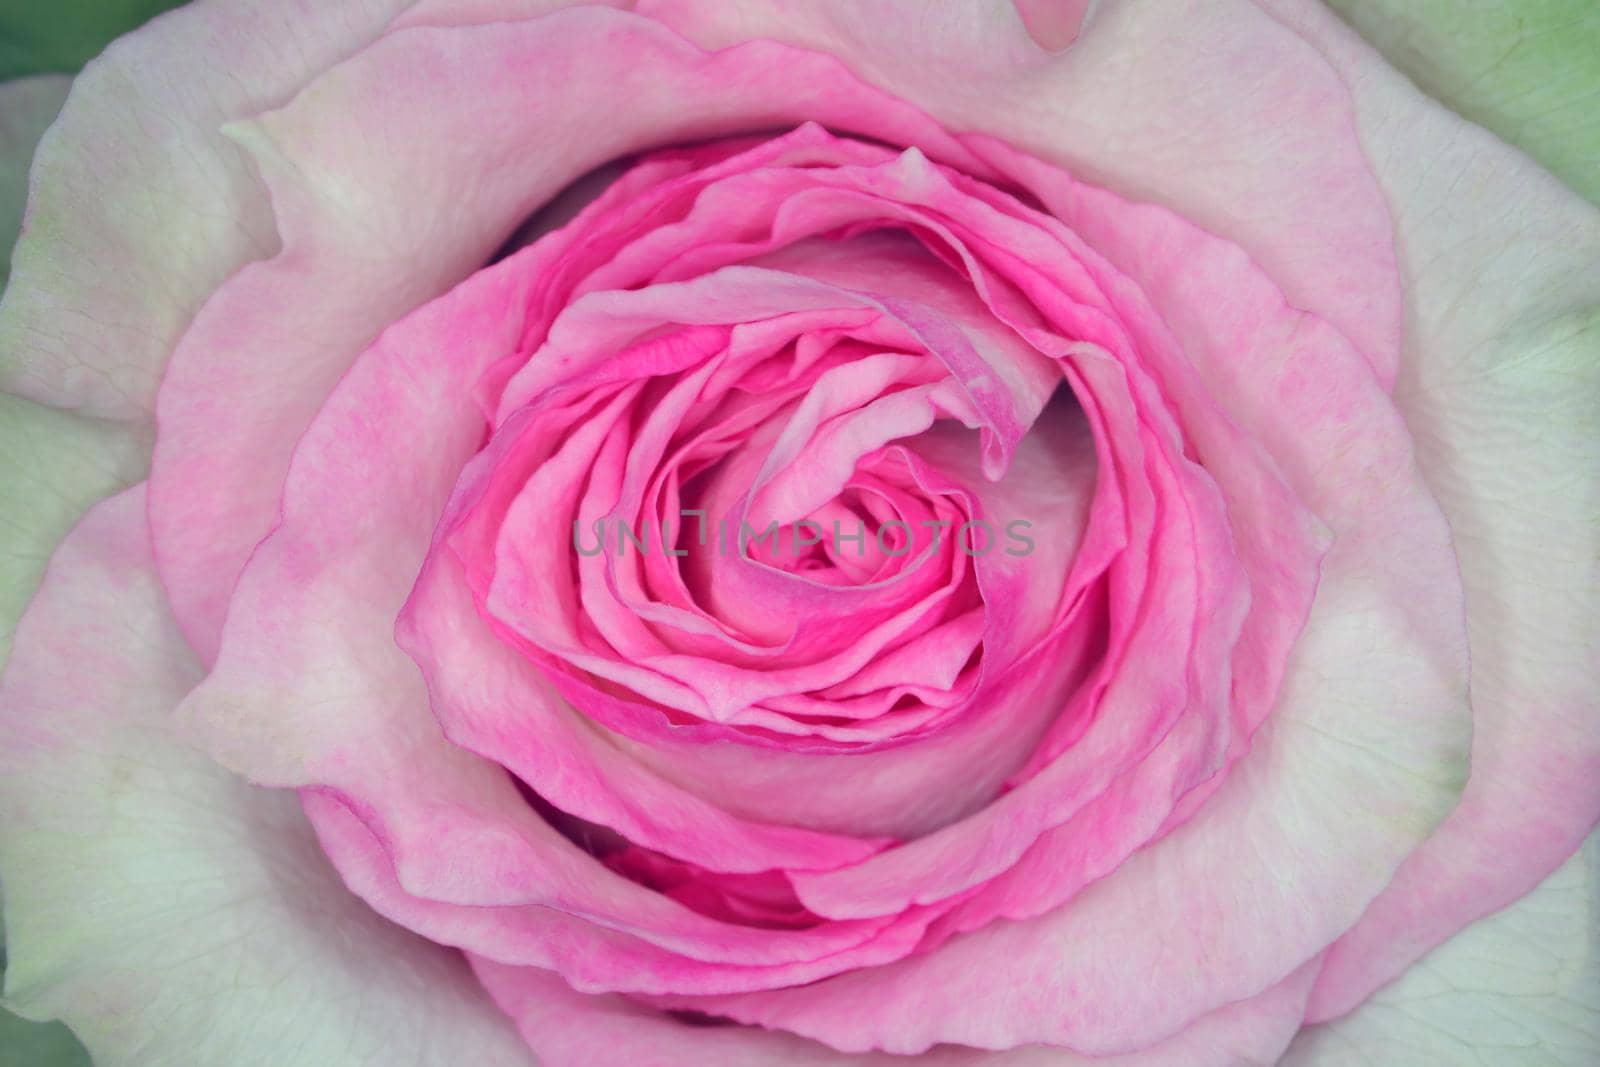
{"type": "Point", "coordinates": [1277, 370]}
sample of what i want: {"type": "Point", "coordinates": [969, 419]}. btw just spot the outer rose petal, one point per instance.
{"type": "Point", "coordinates": [42, 489]}
{"type": "Point", "coordinates": [564, 1028]}
{"type": "Point", "coordinates": [1527, 71]}
{"type": "Point", "coordinates": [1500, 385]}
{"type": "Point", "coordinates": [141, 206]}
{"type": "Point", "coordinates": [27, 107]}
{"type": "Point", "coordinates": [477, 12]}
{"type": "Point", "coordinates": [212, 931]}
{"type": "Point", "coordinates": [52, 465]}
{"type": "Point", "coordinates": [1201, 105]}
{"type": "Point", "coordinates": [1518, 989]}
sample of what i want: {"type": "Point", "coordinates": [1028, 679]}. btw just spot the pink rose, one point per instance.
{"type": "Point", "coordinates": [1045, 541]}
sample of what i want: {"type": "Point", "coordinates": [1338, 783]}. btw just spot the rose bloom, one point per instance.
{"type": "Point", "coordinates": [341, 738]}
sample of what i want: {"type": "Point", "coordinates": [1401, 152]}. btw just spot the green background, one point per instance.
{"type": "Point", "coordinates": [45, 36]}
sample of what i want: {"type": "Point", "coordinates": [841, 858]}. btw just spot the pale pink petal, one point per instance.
{"type": "Point", "coordinates": [53, 464]}
{"type": "Point", "coordinates": [1520, 986]}
{"type": "Point", "coordinates": [166, 910]}
{"type": "Point", "coordinates": [1053, 24]}
{"type": "Point", "coordinates": [564, 1027]}
{"type": "Point", "coordinates": [1202, 105]}
{"type": "Point", "coordinates": [365, 171]}
{"type": "Point", "coordinates": [141, 206]}
{"type": "Point", "coordinates": [1499, 385]}
{"type": "Point", "coordinates": [475, 12]}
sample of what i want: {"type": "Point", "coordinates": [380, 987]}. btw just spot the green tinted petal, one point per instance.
{"type": "Point", "coordinates": [53, 466]}
{"type": "Point", "coordinates": [33, 518]}
{"type": "Point", "coordinates": [1527, 69]}
{"type": "Point", "coordinates": [25, 1043]}
{"type": "Point", "coordinates": [171, 912]}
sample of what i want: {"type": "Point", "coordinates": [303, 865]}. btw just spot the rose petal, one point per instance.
{"type": "Point", "coordinates": [1373, 706]}
{"type": "Point", "coordinates": [1499, 385]}
{"type": "Point", "coordinates": [1521, 986]}
{"type": "Point", "coordinates": [52, 465]}
{"type": "Point", "coordinates": [547, 744]}
{"type": "Point", "coordinates": [1053, 24]}
{"type": "Point", "coordinates": [166, 910]}
{"type": "Point", "coordinates": [596, 951]}
{"type": "Point", "coordinates": [1525, 71]}
{"type": "Point", "coordinates": [137, 170]}
{"type": "Point", "coordinates": [1202, 105]}
{"type": "Point", "coordinates": [564, 1027]}
{"type": "Point", "coordinates": [365, 168]}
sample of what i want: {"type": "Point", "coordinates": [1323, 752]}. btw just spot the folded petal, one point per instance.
{"type": "Point", "coordinates": [140, 206]}
{"type": "Point", "coordinates": [1202, 105]}
{"type": "Point", "coordinates": [564, 1027]}
{"type": "Point", "coordinates": [169, 912]}
{"type": "Point", "coordinates": [53, 465]}
{"type": "Point", "coordinates": [1500, 384]}
{"type": "Point", "coordinates": [365, 168]}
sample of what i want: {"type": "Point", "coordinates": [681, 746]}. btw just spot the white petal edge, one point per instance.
{"type": "Point", "coordinates": [170, 913]}
{"type": "Point", "coordinates": [52, 465]}
{"type": "Point", "coordinates": [1500, 385]}
{"type": "Point", "coordinates": [1518, 989]}
{"type": "Point", "coordinates": [139, 206]}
